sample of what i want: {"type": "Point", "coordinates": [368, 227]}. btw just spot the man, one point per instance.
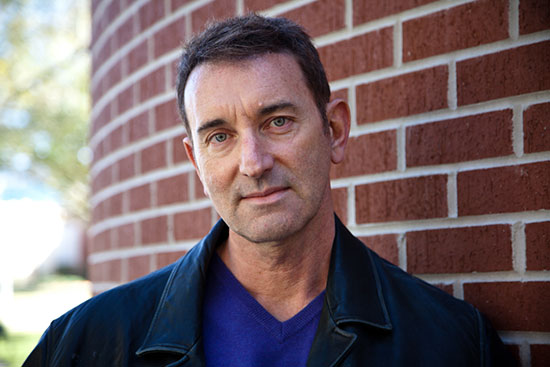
{"type": "Point", "coordinates": [279, 281]}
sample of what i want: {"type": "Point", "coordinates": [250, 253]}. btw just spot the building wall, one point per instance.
{"type": "Point", "coordinates": [448, 167]}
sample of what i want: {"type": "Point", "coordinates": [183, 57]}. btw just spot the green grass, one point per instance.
{"type": "Point", "coordinates": [15, 347]}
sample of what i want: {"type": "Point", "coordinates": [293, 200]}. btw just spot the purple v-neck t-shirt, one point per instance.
{"type": "Point", "coordinates": [238, 331]}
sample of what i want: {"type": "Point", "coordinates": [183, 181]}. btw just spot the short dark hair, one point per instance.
{"type": "Point", "coordinates": [252, 35]}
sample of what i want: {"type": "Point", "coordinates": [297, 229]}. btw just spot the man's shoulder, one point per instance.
{"type": "Point", "coordinates": [119, 316]}
{"type": "Point", "coordinates": [123, 302]}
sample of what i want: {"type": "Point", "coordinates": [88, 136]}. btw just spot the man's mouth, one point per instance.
{"type": "Point", "coordinates": [265, 196]}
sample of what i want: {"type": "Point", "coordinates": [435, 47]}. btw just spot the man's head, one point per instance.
{"type": "Point", "coordinates": [259, 138]}
{"type": "Point", "coordinates": [241, 38]}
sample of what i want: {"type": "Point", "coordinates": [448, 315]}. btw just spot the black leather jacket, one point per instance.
{"type": "Point", "coordinates": [374, 315]}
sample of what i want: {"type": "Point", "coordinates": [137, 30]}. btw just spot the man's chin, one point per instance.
{"type": "Point", "coordinates": [266, 231]}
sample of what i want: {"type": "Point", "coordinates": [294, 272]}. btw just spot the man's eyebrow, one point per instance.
{"type": "Point", "coordinates": [267, 110]}
{"type": "Point", "coordinates": [209, 125]}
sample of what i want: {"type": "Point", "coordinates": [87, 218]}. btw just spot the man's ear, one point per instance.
{"type": "Point", "coordinates": [338, 117]}
{"type": "Point", "coordinates": [188, 145]}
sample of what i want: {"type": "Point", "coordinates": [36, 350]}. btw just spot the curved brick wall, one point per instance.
{"type": "Point", "coordinates": [448, 168]}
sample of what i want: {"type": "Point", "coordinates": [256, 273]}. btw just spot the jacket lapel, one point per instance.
{"type": "Point", "coordinates": [176, 325]}
{"type": "Point", "coordinates": [353, 296]}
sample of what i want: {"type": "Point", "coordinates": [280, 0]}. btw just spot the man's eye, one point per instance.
{"type": "Point", "coordinates": [220, 137]}
{"type": "Point", "coordinates": [278, 122]}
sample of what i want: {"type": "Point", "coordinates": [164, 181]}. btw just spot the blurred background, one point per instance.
{"type": "Point", "coordinates": [44, 118]}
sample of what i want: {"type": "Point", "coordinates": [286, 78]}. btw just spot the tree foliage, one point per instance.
{"type": "Point", "coordinates": [44, 98]}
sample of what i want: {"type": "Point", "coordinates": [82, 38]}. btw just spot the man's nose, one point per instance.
{"type": "Point", "coordinates": [255, 158]}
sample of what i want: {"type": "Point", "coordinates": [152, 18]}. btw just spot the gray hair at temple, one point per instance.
{"type": "Point", "coordinates": [248, 36]}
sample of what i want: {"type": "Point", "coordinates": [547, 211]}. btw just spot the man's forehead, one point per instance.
{"type": "Point", "coordinates": [267, 79]}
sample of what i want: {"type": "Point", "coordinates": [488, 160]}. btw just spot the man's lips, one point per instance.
{"type": "Point", "coordinates": [265, 193]}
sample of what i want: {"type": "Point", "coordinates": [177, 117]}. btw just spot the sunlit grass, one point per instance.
{"type": "Point", "coordinates": [15, 347]}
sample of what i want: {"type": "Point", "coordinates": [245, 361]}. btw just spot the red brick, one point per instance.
{"type": "Point", "coordinates": [170, 37]}
{"type": "Point", "coordinates": [537, 238]}
{"type": "Point", "coordinates": [460, 27]}
{"type": "Point", "coordinates": [192, 225]}
{"type": "Point", "coordinates": [173, 190]}
{"type": "Point", "coordinates": [101, 242]}
{"type": "Point", "coordinates": [140, 197]}
{"type": "Point", "coordinates": [218, 9]}
{"type": "Point", "coordinates": [339, 94]}
{"type": "Point", "coordinates": [138, 266]}
{"type": "Point", "coordinates": [154, 230]}
{"type": "Point", "coordinates": [384, 245]}
{"type": "Point", "coordinates": [98, 152]}
{"type": "Point", "coordinates": [153, 157]}
{"type": "Point", "coordinates": [447, 288]}
{"type": "Point", "coordinates": [534, 16]}
{"type": "Point", "coordinates": [340, 202]}
{"type": "Point", "coordinates": [406, 199]}
{"type": "Point", "coordinates": [138, 127]}
{"type": "Point", "coordinates": [137, 57]}
{"type": "Point", "coordinates": [512, 305]}
{"type": "Point", "coordinates": [97, 213]}
{"type": "Point", "coordinates": [536, 128]}
{"type": "Point", "coordinates": [403, 95]}
{"type": "Point", "coordinates": [361, 54]}
{"type": "Point", "coordinates": [96, 93]}
{"type": "Point", "coordinates": [112, 43]}
{"type": "Point", "coordinates": [166, 115]}
{"type": "Point", "coordinates": [178, 151]}
{"type": "Point", "coordinates": [367, 10]}
{"type": "Point", "coordinates": [540, 354]}
{"type": "Point", "coordinates": [116, 138]}
{"type": "Point", "coordinates": [114, 75]}
{"type": "Point", "coordinates": [504, 189]}
{"type": "Point", "coordinates": [125, 99]}
{"type": "Point", "coordinates": [167, 258]}
{"type": "Point", "coordinates": [150, 13]}
{"type": "Point", "coordinates": [152, 84]}
{"type": "Point", "coordinates": [114, 205]}
{"type": "Point", "coordinates": [125, 236]}
{"type": "Point", "coordinates": [459, 140]}
{"type": "Point", "coordinates": [102, 118]}
{"type": "Point", "coordinates": [460, 250]}
{"type": "Point", "coordinates": [504, 74]}
{"type": "Point", "coordinates": [126, 167]}
{"type": "Point", "coordinates": [126, 31]}
{"type": "Point", "coordinates": [179, 3]}
{"type": "Point", "coordinates": [111, 11]}
{"type": "Point", "coordinates": [103, 179]}
{"type": "Point", "coordinates": [95, 3]}
{"type": "Point", "coordinates": [257, 5]}
{"type": "Point", "coordinates": [367, 154]}
{"type": "Point", "coordinates": [320, 17]}
{"type": "Point", "coordinates": [108, 271]}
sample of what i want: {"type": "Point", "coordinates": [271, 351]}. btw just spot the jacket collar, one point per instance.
{"type": "Point", "coordinates": [353, 294]}
{"type": "Point", "coordinates": [176, 326]}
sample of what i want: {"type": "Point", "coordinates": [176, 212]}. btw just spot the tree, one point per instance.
{"type": "Point", "coordinates": [44, 99]}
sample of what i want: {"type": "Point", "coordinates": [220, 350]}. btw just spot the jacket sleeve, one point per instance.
{"type": "Point", "coordinates": [493, 351]}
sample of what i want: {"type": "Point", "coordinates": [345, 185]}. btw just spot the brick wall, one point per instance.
{"type": "Point", "coordinates": [448, 168]}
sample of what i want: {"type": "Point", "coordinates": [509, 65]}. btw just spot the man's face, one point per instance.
{"type": "Point", "coordinates": [258, 144]}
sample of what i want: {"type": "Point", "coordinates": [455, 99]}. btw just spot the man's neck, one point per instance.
{"type": "Point", "coordinates": [285, 276]}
